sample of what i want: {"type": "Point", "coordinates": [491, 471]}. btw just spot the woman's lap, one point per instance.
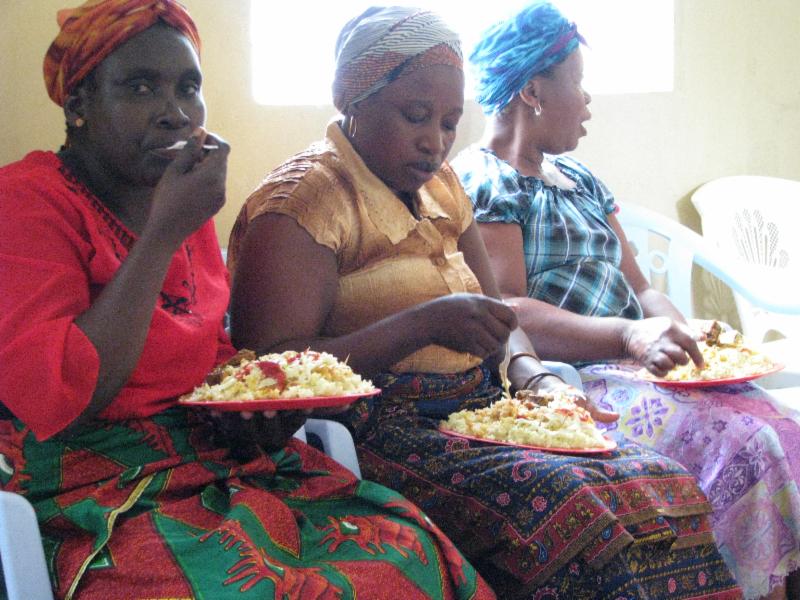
{"type": "Point", "coordinates": [744, 449]}
{"type": "Point", "coordinates": [196, 524]}
{"type": "Point", "coordinates": [531, 520]}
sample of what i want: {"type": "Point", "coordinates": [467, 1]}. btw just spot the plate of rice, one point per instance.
{"type": "Point", "coordinates": [280, 381]}
{"type": "Point", "coordinates": [728, 359]}
{"type": "Point", "coordinates": [547, 423]}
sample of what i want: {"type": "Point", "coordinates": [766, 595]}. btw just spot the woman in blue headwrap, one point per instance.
{"type": "Point", "coordinates": [560, 257]}
{"type": "Point", "coordinates": [364, 246]}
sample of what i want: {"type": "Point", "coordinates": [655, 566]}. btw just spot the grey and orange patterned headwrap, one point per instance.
{"type": "Point", "coordinates": [95, 29]}
{"type": "Point", "coordinates": [384, 43]}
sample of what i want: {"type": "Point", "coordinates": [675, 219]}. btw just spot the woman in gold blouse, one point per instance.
{"type": "Point", "coordinates": [364, 246]}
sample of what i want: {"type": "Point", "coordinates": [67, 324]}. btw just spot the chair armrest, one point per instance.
{"type": "Point", "coordinates": [21, 552]}
{"type": "Point", "coordinates": [336, 442]}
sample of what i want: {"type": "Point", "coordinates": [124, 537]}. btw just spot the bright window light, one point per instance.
{"type": "Point", "coordinates": [631, 43]}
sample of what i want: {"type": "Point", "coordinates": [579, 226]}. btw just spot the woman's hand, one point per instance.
{"type": "Point", "coordinates": [468, 323]}
{"type": "Point", "coordinates": [554, 385]}
{"type": "Point", "coordinates": [659, 344]}
{"type": "Point", "coordinates": [269, 429]}
{"type": "Point", "coordinates": [192, 189]}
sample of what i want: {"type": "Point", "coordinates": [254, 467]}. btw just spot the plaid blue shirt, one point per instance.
{"type": "Point", "coordinates": [572, 254]}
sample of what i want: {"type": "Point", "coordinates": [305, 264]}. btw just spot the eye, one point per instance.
{"type": "Point", "coordinates": [450, 125]}
{"type": "Point", "coordinates": [416, 117]}
{"type": "Point", "coordinates": [191, 88]}
{"type": "Point", "coordinates": [141, 88]}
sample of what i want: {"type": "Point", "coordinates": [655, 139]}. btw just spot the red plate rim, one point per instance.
{"type": "Point", "coordinates": [712, 382]}
{"type": "Point", "coordinates": [612, 444]}
{"type": "Point", "coordinates": [278, 403]}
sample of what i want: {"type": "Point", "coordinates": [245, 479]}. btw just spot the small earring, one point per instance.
{"type": "Point", "coordinates": [537, 110]}
{"type": "Point", "coordinates": [79, 122]}
{"type": "Point", "coordinates": [352, 127]}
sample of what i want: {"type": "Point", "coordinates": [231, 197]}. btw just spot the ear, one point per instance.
{"type": "Point", "coordinates": [75, 105]}
{"type": "Point", "coordinates": [530, 93]}
{"type": "Point", "coordinates": [353, 110]}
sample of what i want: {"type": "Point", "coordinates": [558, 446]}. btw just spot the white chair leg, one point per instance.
{"type": "Point", "coordinates": [336, 442]}
{"type": "Point", "coordinates": [21, 553]}
{"type": "Point", "coordinates": [300, 434]}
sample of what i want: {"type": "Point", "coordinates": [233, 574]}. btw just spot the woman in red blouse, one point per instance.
{"type": "Point", "coordinates": [114, 293]}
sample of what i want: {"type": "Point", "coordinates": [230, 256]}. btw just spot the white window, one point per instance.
{"type": "Point", "coordinates": [631, 43]}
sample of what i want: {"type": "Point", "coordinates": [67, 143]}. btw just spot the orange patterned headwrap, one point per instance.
{"type": "Point", "coordinates": [95, 29]}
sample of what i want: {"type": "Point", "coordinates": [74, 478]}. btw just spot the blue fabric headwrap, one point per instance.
{"type": "Point", "coordinates": [512, 51]}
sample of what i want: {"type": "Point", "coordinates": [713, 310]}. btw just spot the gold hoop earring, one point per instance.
{"type": "Point", "coordinates": [352, 127]}
{"type": "Point", "coordinates": [79, 122]}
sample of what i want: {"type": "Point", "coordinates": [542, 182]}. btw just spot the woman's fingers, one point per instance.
{"type": "Point", "coordinates": [598, 414]}
{"type": "Point", "coordinates": [504, 313]}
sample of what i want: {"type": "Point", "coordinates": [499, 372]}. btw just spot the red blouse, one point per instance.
{"type": "Point", "coordinates": [59, 246]}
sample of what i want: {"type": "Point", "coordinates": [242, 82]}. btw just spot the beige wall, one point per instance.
{"type": "Point", "coordinates": [735, 108]}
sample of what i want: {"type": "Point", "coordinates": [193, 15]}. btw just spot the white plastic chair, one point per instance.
{"type": "Point", "coordinates": [24, 569]}
{"type": "Point", "coordinates": [566, 371]}
{"type": "Point", "coordinates": [336, 442]}
{"type": "Point", "coordinates": [666, 251]}
{"type": "Point", "coordinates": [23, 564]}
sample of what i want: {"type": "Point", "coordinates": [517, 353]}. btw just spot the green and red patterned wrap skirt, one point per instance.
{"type": "Point", "coordinates": [153, 508]}
{"type": "Point", "coordinates": [621, 525]}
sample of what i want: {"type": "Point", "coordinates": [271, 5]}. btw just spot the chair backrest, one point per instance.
{"type": "Point", "coordinates": [665, 251]}
{"type": "Point", "coordinates": [755, 219]}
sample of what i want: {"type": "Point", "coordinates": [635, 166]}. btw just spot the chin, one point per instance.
{"type": "Point", "coordinates": [151, 174]}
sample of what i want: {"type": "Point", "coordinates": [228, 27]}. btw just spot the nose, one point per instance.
{"type": "Point", "coordinates": [587, 97]}
{"type": "Point", "coordinates": [172, 115]}
{"type": "Point", "coordinates": [433, 141]}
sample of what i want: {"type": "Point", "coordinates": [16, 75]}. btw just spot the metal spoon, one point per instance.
{"type": "Point", "coordinates": [503, 370]}
{"type": "Point", "coordinates": [180, 144]}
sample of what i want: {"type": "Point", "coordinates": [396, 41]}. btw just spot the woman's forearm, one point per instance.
{"type": "Point", "coordinates": [118, 321]}
{"type": "Point", "coordinates": [371, 349]}
{"type": "Point", "coordinates": [558, 334]}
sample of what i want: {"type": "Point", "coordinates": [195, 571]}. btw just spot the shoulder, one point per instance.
{"type": "Point", "coordinates": [37, 186]}
{"type": "Point", "coordinates": [313, 180]}
{"type": "Point", "coordinates": [485, 176]}
{"type": "Point", "coordinates": [312, 187]}
{"type": "Point", "coordinates": [497, 191]}
{"type": "Point", "coordinates": [36, 167]}
{"type": "Point", "coordinates": [475, 166]}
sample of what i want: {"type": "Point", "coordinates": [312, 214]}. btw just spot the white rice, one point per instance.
{"type": "Point", "coordinates": [307, 374]}
{"type": "Point", "coordinates": [559, 424]}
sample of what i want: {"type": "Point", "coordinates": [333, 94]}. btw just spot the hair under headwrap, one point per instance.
{"type": "Point", "coordinates": [95, 29]}
{"type": "Point", "coordinates": [513, 51]}
{"type": "Point", "coordinates": [382, 43]}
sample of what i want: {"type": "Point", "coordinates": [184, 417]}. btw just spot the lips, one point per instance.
{"type": "Point", "coordinates": [423, 170]}
{"type": "Point", "coordinates": [164, 153]}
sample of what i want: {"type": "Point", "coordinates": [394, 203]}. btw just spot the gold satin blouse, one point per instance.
{"type": "Point", "coordinates": [387, 259]}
